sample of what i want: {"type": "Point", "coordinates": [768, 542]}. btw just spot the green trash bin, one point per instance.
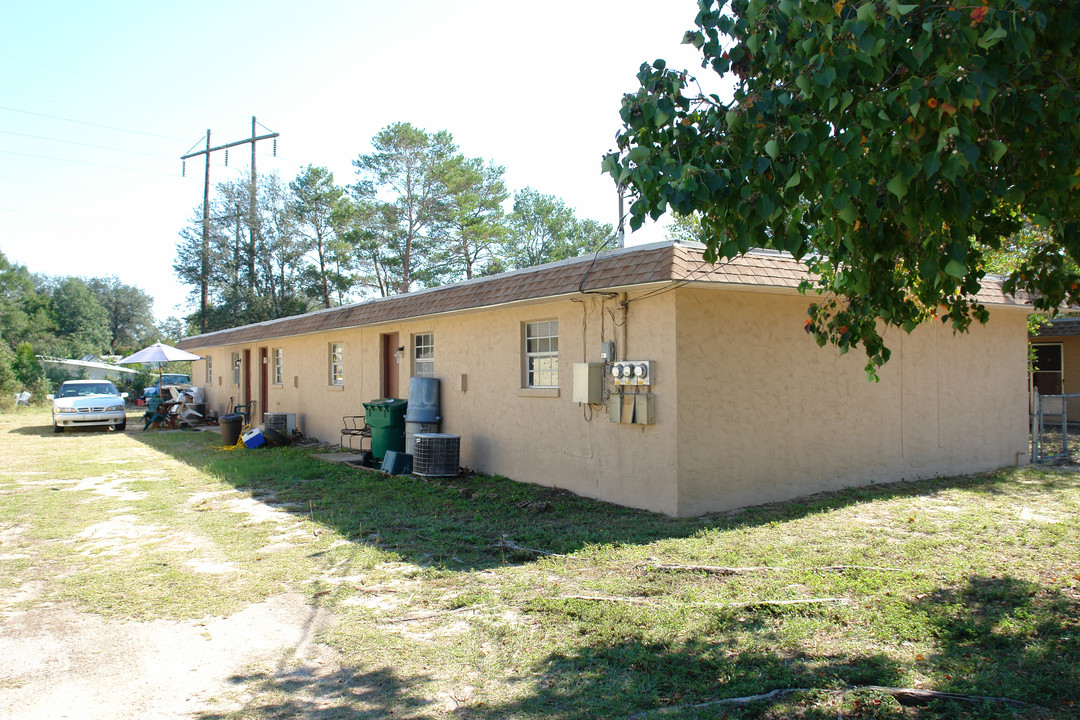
{"type": "Point", "coordinates": [386, 418]}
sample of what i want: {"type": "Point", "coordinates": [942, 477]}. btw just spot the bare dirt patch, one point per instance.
{"type": "Point", "coordinates": [61, 663]}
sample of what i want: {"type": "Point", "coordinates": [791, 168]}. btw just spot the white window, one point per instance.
{"type": "Point", "coordinates": [337, 364]}
{"type": "Point", "coordinates": [236, 368]}
{"type": "Point", "coordinates": [424, 355]}
{"type": "Point", "coordinates": [209, 370]}
{"type": "Point", "coordinates": [279, 366]}
{"type": "Point", "coordinates": [542, 354]}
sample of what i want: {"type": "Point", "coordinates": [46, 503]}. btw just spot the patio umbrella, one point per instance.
{"type": "Point", "coordinates": [159, 353]}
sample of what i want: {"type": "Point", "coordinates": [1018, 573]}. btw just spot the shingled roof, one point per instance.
{"type": "Point", "coordinates": [673, 263]}
{"type": "Point", "coordinates": [1059, 327]}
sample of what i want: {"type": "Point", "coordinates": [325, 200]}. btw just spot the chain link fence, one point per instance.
{"type": "Point", "coordinates": [1055, 428]}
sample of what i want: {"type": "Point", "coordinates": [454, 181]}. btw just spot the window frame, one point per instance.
{"type": "Point", "coordinates": [1057, 373]}
{"type": "Point", "coordinates": [540, 332]}
{"type": "Point", "coordinates": [236, 369]}
{"type": "Point", "coordinates": [428, 362]}
{"type": "Point", "coordinates": [209, 370]}
{"type": "Point", "coordinates": [277, 366]}
{"type": "Point", "coordinates": [335, 364]}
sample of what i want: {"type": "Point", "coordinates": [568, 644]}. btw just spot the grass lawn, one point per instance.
{"type": "Point", "coordinates": [477, 597]}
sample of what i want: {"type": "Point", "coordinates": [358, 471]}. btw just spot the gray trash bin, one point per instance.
{"type": "Point", "coordinates": [230, 428]}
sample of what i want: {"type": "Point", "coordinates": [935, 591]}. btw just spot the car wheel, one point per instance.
{"type": "Point", "coordinates": [122, 426]}
{"type": "Point", "coordinates": [56, 428]}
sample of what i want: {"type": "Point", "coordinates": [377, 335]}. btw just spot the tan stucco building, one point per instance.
{"type": "Point", "coordinates": [740, 405]}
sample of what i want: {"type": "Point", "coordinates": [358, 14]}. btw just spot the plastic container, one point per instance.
{"type": "Point", "coordinates": [396, 463]}
{"type": "Point", "coordinates": [230, 428]}
{"type": "Point", "coordinates": [386, 418]}
{"type": "Point", "coordinates": [423, 400]}
{"type": "Point", "coordinates": [412, 428]}
{"type": "Point", "coordinates": [254, 438]}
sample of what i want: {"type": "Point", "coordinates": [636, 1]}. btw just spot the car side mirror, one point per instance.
{"type": "Point", "coordinates": [124, 395]}
{"type": "Point", "coordinates": [50, 398]}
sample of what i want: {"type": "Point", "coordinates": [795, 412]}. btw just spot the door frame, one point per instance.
{"type": "Point", "coordinates": [391, 355]}
{"type": "Point", "coordinates": [264, 382]}
{"type": "Point", "coordinates": [247, 375]}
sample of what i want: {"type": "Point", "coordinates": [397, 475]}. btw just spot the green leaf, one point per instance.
{"type": "Point", "coordinates": [931, 164]}
{"type": "Point", "coordinates": [997, 150]}
{"type": "Point", "coordinates": [793, 181]}
{"type": "Point", "coordinates": [803, 83]}
{"type": "Point", "coordinates": [773, 148]}
{"type": "Point", "coordinates": [955, 269]}
{"type": "Point", "coordinates": [898, 186]}
{"type": "Point", "coordinates": [992, 37]}
{"type": "Point", "coordinates": [753, 44]}
{"type": "Point", "coordinates": [693, 38]}
{"type": "Point", "coordinates": [970, 152]}
{"type": "Point", "coordinates": [849, 214]}
{"type": "Point", "coordinates": [827, 76]}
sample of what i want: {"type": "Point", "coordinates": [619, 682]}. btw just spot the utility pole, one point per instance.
{"type": "Point", "coordinates": [205, 259]}
{"type": "Point", "coordinates": [253, 217]}
{"type": "Point", "coordinates": [204, 267]}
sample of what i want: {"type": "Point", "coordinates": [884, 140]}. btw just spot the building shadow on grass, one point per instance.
{"type": "Point", "coordinates": [998, 638]}
{"type": "Point", "coordinates": [1008, 637]}
{"type": "Point", "coordinates": [346, 693]}
{"type": "Point", "coordinates": [475, 521]}
{"type": "Point", "coordinates": [638, 680]}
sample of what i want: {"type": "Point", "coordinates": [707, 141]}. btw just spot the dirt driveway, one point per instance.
{"type": "Point", "coordinates": [65, 664]}
{"type": "Point", "coordinates": [123, 593]}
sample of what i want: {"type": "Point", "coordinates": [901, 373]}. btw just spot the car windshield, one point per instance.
{"type": "Point", "coordinates": [175, 379]}
{"type": "Point", "coordinates": [84, 389]}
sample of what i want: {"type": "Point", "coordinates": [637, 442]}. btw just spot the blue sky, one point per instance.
{"type": "Point", "coordinates": [99, 100]}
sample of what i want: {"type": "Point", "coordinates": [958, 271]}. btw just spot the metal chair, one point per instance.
{"type": "Point", "coordinates": [354, 426]}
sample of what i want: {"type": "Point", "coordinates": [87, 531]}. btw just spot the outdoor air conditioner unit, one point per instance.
{"type": "Point", "coordinates": [436, 454]}
{"type": "Point", "coordinates": [284, 423]}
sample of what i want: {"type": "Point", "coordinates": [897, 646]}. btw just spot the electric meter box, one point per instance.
{"type": "Point", "coordinates": [633, 372]}
{"type": "Point", "coordinates": [588, 383]}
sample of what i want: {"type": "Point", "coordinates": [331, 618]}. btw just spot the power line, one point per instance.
{"type": "Point", "coordinates": [79, 107]}
{"type": "Point", "coordinates": [89, 145]}
{"type": "Point", "coordinates": [83, 162]}
{"type": "Point", "coordinates": [96, 189]}
{"type": "Point", "coordinates": [60, 217]}
{"type": "Point", "coordinates": [84, 122]}
{"type": "Point", "coordinates": [142, 91]}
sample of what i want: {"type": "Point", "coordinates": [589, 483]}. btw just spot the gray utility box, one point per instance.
{"type": "Point", "coordinates": [589, 383]}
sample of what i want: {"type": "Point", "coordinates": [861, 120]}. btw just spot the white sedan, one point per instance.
{"type": "Point", "coordinates": [88, 402]}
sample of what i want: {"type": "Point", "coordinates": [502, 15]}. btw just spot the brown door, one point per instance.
{"type": "Point", "coordinates": [247, 375]}
{"type": "Point", "coordinates": [391, 356]}
{"type": "Point", "coordinates": [264, 383]}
